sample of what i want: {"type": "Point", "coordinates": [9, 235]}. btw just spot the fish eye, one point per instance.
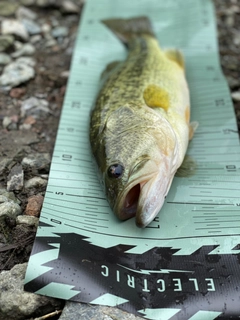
{"type": "Point", "coordinates": [115, 170]}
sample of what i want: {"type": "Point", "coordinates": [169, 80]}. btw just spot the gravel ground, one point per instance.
{"type": "Point", "coordinates": [37, 51]}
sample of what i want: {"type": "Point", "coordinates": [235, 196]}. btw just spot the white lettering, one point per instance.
{"type": "Point", "coordinates": [162, 288]}
{"type": "Point", "coordinates": [210, 284]}
{"type": "Point", "coordinates": [118, 275]}
{"type": "Point", "coordinates": [131, 281]}
{"type": "Point", "coordinates": [105, 272]}
{"type": "Point", "coordinates": [145, 283]}
{"type": "Point", "coordinates": [195, 283]}
{"type": "Point", "coordinates": [177, 285]}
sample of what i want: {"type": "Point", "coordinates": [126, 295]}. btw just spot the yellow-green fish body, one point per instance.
{"type": "Point", "coordinates": [139, 128]}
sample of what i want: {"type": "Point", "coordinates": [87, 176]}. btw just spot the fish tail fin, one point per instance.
{"type": "Point", "coordinates": [126, 29]}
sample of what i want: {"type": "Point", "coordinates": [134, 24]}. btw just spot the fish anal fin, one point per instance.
{"type": "Point", "coordinates": [156, 97]}
{"type": "Point", "coordinates": [175, 55]}
{"type": "Point", "coordinates": [192, 128]}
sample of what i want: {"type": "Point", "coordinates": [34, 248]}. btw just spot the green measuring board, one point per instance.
{"type": "Point", "coordinates": [199, 224]}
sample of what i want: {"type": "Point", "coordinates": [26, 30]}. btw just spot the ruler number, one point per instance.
{"type": "Point", "coordinates": [76, 105]}
{"type": "Point", "coordinates": [67, 157]}
{"type": "Point", "coordinates": [59, 193]}
{"type": "Point", "coordinates": [231, 168]}
{"type": "Point", "coordinates": [56, 221]}
{"type": "Point", "coordinates": [70, 129]}
{"type": "Point", "coordinates": [219, 102]}
{"type": "Point", "coordinates": [83, 61]}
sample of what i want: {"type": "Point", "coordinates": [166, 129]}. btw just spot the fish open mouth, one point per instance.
{"type": "Point", "coordinates": [131, 201]}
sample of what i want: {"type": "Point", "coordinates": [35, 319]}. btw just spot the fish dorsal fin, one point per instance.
{"type": "Point", "coordinates": [156, 97]}
{"type": "Point", "coordinates": [175, 55]}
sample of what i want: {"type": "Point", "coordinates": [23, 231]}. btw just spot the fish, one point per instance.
{"type": "Point", "coordinates": [140, 122]}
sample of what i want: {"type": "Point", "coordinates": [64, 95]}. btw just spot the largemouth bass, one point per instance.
{"type": "Point", "coordinates": [139, 128]}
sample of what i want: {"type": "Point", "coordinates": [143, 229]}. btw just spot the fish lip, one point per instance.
{"type": "Point", "coordinates": [121, 198]}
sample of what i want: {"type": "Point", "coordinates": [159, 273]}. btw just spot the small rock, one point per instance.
{"type": "Point", "coordinates": [65, 74]}
{"type": "Point", "coordinates": [5, 42]}
{"type": "Point", "coordinates": [29, 220]}
{"type": "Point", "coordinates": [35, 38]}
{"type": "Point", "coordinates": [31, 26]}
{"type": "Point", "coordinates": [17, 304]}
{"type": "Point", "coordinates": [9, 209]}
{"type": "Point", "coordinates": [25, 126]}
{"type": "Point", "coordinates": [15, 178]}
{"type": "Point", "coordinates": [26, 50]}
{"type": "Point", "coordinates": [34, 205]}
{"type": "Point", "coordinates": [69, 7]}
{"type": "Point", "coordinates": [10, 196]}
{"type": "Point", "coordinates": [74, 310]}
{"type": "Point", "coordinates": [15, 27]}
{"type": "Point", "coordinates": [35, 182]}
{"type": "Point", "coordinates": [236, 95]}
{"type": "Point", "coordinates": [4, 59]}
{"type": "Point", "coordinates": [17, 93]}
{"type": "Point", "coordinates": [6, 122]}
{"type": "Point", "coordinates": [8, 8]}
{"type": "Point", "coordinates": [34, 107]}
{"type": "Point", "coordinates": [9, 123]}
{"type": "Point", "coordinates": [60, 31]}
{"type": "Point", "coordinates": [37, 161]}
{"type": "Point", "coordinates": [30, 120]}
{"type": "Point", "coordinates": [27, 2]}
{"type": "Point", "coordinates": [25, 13]}
{"type": "Point", "coordinates": [18, 72]}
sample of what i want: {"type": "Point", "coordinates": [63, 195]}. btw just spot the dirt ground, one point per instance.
{"type": "Point", "coordinates": [50, 83]}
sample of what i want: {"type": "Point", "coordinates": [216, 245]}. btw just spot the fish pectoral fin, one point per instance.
{"type": "Point", "coordinates": [156, 97]}
{"type": "Point", "coordinates": [175, 55]}
{"type": "Point", "coordinates": [109, 68]}
{"type": "Point", "coordinates": [187, 168]}
{"type": "Point", "coordinates": [192, 128]}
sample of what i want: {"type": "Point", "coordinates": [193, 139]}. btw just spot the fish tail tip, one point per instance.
{"type": "Point", "coordinates": [125, 29]}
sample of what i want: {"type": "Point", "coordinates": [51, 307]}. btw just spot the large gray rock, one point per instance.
{"type": "Point", "coordinates": [16, 304]}
{"type": "Point", "coordinates": [73, 311]}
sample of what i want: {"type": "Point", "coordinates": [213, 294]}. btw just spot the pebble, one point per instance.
{"type": "Point", "coordinates": [32, 27]}
{"type": "Point", "coordinates": [4, 58]}
{"type": "Point", "coordinates": [69, 7]}
{"type": "Point", "coordinates": [35, 38]}
{"type": "Point", "coordinates": [18, 72]}
{"type": "Point", "coordinates": [25, 126]}
{"type": "Point", "coordinates": [17, 93]}
{"type": "Point", "coordinates": [34, 205]}
{"type": "Point", "coordinates": [236, 95]}
{"type": "Point", "coordinates": [15, 178]}
{"type": "Point", "coordinates": [84, 311]}
{"type": "Point", "coordinates": [35, 182]}
{"type": "Point", "coordinates": [10, 196]}
{"type": "Point", "coordinates": [15, 27]}
{"type": "Point", "coordinates": [25, 13]}
{"type": "Point", "coordinates": [26, 50]}
{"type": "Point", "coordinates": [37, 161]}
{"type": "Point", "coordinates": [29, 220]}
{"type": "Point", "coordinates": [9, 209]}
{"type": "Point", "coordinates": [60, 31]}
{"type": "Point", "coordinates": [8, 8]}
{"type": "Point", "coordinates": [17, 304]}
{"type": "Point", "coordinates": [34, 107]}
{"type": "Point", "coordinates": [5, 42]}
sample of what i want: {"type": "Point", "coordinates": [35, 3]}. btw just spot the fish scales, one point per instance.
{"type": "Point", "coordinates": [139, 126]}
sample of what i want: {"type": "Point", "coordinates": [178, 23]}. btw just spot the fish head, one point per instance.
{"type": "Point", "coordinates": [138, 176]}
